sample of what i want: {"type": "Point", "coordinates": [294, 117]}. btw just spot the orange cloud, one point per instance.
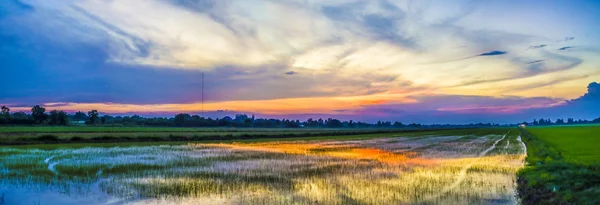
{"type": "Point", "coordinates": [311, 105]}
{"type": "Point", "coordinates": [498, 109]}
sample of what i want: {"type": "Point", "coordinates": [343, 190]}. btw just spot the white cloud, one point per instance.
{"type": "Point", "coordinates": [427, 43]}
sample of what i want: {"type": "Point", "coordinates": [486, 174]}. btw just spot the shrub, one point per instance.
{"type": "Point", "coordinates": [47, 138]}
{"type": "Point", "coordinates": [177, 138]}
{"type": "Point", "coordinates": [105, 138]}
{"type": "Point", "coordinates": [76, 139]}
{"type": "Point", "coordinates": [126, 138]}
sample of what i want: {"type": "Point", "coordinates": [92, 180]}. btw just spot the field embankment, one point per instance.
{"type": "Point", "coordinates": [563, 166]}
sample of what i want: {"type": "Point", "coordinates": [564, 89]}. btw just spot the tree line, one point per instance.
{"type": "Point", "coordinates": [569, 121]}
{"type": "Point", "coordinates": [39, 116]}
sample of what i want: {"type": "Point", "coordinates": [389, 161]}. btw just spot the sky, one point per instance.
{"type": "Point", "coordinates": [425, 61]}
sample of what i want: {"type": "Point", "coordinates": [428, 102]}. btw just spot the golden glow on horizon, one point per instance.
{"type": "Point", "coordinates": [313, 105]}
{"type": "Point", "coordinates": [330, 105]}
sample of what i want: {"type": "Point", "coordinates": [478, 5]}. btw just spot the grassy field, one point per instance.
{"type": "Point", "coordinates": [320, 134]}
{"type": "Point", "coordinates": [563, 166]}
{"type": "Point", "coordinates": [577, 144]}
{"type": "Point", "coordinates": [46, 135]}
{"type": "Point", "coordinates": [101, 129]}
{"type": "Point", "coordinates": [470, 166]}
{"type": "Point", "coordinates": [60, 135]}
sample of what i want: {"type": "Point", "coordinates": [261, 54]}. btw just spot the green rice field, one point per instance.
{"type": "Point", "coordinates": [96, 129]}
{"type": "Point", "coordinates": [563, 165]}
{"type": "Point", "coordinates": [476, 166]}
{"type": "Point", "coordinates": [19, 135]}
{"type": "Point", "coordinates": [578, 144]}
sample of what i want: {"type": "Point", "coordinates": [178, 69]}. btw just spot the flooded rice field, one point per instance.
{"type": "Point", "coordinates": [432, 169]}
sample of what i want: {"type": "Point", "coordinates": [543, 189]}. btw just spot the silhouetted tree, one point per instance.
{"type": "Point", "coordinates": [38, 113]}
{"type": "Point", "coordinates": [21, 118]}
{"type": "Point", "coordinates": [58, 117]}
{"type": "Point", "coordinates": [398, 124]}
{"type": "Point", "coordinates": [5, 115]}
{"type": "Point", "coordinates": [333, 123]}
{"type": "Point", "coordinates": [5, 112]}
{"type": "Point", "coordinates": [321, 122]}
{"type": "Point", "coordinates": [80, 116]}
{"type": "Point", "coordinates": [181, 118]}
{"type": "Point", "coordinates": [20, 115]}
{"type": "Point", "coordinates": [93, 117]}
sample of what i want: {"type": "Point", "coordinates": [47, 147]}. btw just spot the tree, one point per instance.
{"type": "Point", "coordinates": [312, 123]}
{"type": "Point", "coordinates": [93, 117]}
{"type": "Point", "coordinates": [80, 116]}
{"type": "Point", "coordinates": [181, 118]}
{"type": "Point", "coordinates": [5, 115]}
{"type": "Point", "coordinates": [38, 113]}
{"type": "Point", "coordinates": [334, 123]}
{"type": "Point", "coordinates": [20, 115]}
{"type": "Point", "coordinates": [21, 118]}
{"type": "Point", "coordinates": [58, 117]}
{"type": "Point", "coordinates": [5, 112]}
{"type": "Point", "coordinates": [398, 124]}
{"type": "Point", "coordinates": [247, 122]}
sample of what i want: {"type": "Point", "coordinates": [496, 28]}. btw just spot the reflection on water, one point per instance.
{"type": "Point", "coordinates": [429, 169]}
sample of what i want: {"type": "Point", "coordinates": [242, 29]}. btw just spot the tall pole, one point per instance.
{"type": "Point", "coordinates": [202, 94]}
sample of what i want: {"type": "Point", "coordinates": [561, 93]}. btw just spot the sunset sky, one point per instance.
{"type": "Point", "coordinates": [421, 61]}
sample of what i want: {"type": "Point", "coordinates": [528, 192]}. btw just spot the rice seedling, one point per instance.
{"type": "Point", "coordinates": [438, 168]}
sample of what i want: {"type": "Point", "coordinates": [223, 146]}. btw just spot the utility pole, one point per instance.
{"type": "Point", "coordinates": [202, 97]}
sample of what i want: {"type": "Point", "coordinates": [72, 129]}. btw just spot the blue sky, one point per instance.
{"type": "Point", "coordinates": [423, 61]}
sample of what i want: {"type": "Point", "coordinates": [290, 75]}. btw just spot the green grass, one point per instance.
{"type": "Point", "coordinates": [563, 166]}
{"type": "Point", "coordinates": [69, 143]}
{"type": "Point", "coordinates": [58, 129]}
{"type": "Point", "coordinates": [107, 129]}
{"type": "Point", "coordinates": [11, 138]}
{"type": "Point", "coordinates": [577, 144]}
{"type": "Point", "coordinates": [61, 135]}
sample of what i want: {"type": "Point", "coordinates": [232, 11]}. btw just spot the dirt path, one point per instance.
{"type": "Point", "coordinates": [463, 172]}
{"type": "Point", "coordinates": [523, 145]}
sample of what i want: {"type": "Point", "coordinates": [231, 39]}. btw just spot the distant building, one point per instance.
{"type": "Point", "coordinates": [78, 122]}
{"type": "Point", "coordinates": [522, 125]}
